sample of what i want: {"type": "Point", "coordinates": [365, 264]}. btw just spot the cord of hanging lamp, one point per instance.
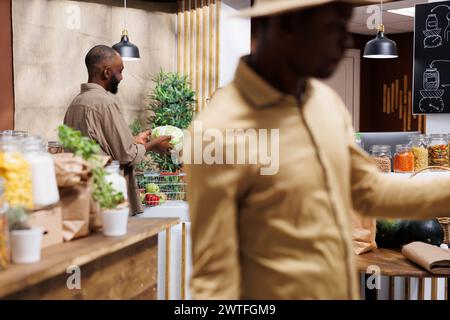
{"type": "Point", "coordinates": [127, 50]}
{"type": "Point", "coordinates": [381, 47]}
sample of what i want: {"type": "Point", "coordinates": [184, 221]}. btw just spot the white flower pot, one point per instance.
{"type": "Point", "coordinates": [26, 245]}
{"type": "Point", "coordinates": [115, 222]}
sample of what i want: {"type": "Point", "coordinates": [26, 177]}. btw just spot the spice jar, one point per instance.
{"type": "Point", "coordinates": [382, 156]}
{"type": "Point", "coordinates": [54, 147]}
{"type": "Point", "coordinates": [16, 172]}
{"type": "Point", "coordinates": [419, 147]}
{"type": "Point", "coordinates": [4, 232]}
{"type": "Point", "coordinates": [403, 159]}
{"type": "Point", "coordinates": [44, 186]}
{"type": "Point", "coordinates": [438, 150]}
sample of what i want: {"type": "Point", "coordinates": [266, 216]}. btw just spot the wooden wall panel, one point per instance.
{"type": "Point", "coordinates": [6, 66]}
{"type": "Point", "coordinates": [198, 46]}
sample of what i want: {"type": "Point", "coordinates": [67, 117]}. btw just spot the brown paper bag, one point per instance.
{"type": "Point", "coordinates": [73, 175]}
{"type": "Point", "coordinates": [364, 233]}
{"type": "Point", "coordinates": [75, 204]}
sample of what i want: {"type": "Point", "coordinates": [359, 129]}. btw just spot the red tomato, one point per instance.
{"type": "Point", "coordinates": [151, 199]}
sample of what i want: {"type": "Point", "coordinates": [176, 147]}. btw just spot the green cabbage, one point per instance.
{"type": "Point", "coordinates": [176, 134]}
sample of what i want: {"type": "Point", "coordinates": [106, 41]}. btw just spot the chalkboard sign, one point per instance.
{"type": "Point", "coordinates": [432, 58]}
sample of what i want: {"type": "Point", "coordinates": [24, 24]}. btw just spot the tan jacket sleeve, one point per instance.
{"type": "Point", "coordinates": [114, 135]}
{"type": "Point", "coordinates": [381, 195]}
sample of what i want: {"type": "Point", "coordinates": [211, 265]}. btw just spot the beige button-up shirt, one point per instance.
{"type": "Point", "coordinates": [288, 235]}
{"type": "Point", "coordinates": [96, 114]}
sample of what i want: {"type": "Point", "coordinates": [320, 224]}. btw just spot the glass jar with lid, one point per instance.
{"type": "Point", "coordinates": [115, 178]}
{"type": "Point", "coordinates": [55, 147]}
{"type": "Point", "coordinates": [403, 159]}
{"type": "Point", "coordinates": [438, 150]}
{"type": "Point", "coordinates": [4, 231]}
{"type": "Point", "coordinates": [419, 147]}
{"type": "Point", "coordinates": [16, 172]}
{"type": "Point", "coordinates": [382, 156]}
{"type": "Point", "coordinates": [45, 188]}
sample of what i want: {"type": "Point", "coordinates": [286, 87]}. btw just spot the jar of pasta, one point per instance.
{"type": "Point", "coordinates": [438, 150]}
{"type": "Point", "coordinates": [16, 173]}
{"type": "Point", "coordinates": [419, 148]}
{"type": "Point", "coordinates": [382, 156]}
{"type": "Point", "coordinates": [4, 231]}
{"type": "Point", "coordinates": [403, 159]}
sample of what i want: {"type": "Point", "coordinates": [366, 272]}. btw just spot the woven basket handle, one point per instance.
{"type": "Point", "coordinates": [430, 168]}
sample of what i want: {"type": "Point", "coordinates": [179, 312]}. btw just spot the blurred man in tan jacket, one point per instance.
{"type": "Point", "coordinates": [288, 235]}
{"type": "Point", "coordinates": [96, 114]}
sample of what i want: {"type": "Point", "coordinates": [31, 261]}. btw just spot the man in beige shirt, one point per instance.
{"type": "Point", "coordinates": [96, 114]}
{"type": "Point", "coordinates": [288, 235]}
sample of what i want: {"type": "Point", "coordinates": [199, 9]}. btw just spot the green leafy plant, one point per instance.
{"type": "Point", "coordinates": [103, 192]}
{"type": "Point", "coordinates": [17, 218]}
{"type": "Point", "coordinates": [172, 102]}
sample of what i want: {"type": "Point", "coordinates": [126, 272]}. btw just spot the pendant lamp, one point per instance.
{"type": "Point", "coordinates": [381, 47]}
{"type": "Point", "coordinates": [127, 50]}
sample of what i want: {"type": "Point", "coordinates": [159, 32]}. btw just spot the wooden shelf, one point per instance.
{"type": "Point", "coordinates": [55, 259]}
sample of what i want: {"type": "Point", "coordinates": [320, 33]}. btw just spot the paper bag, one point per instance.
{"type": "Point", "coordinates": [364, 233]}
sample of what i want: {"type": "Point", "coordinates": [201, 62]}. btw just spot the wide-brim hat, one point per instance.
{"type": "Point", "coordinates": [273, 7]}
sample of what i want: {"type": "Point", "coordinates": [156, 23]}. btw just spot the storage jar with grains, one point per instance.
{"type": "Point", "coordinates": [45, 189]}
{"type": "Point", "coordinates": [16, 172]}
{"type": "Point", "coordinates": [419, 147]}
{"type": "Point", "coordinates": [438, 150]}
{"type": "Point", "coordinates": [403, 159]}
{"type": "Point", "coordinates": [382, 156]}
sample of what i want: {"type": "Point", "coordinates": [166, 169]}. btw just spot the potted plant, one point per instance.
{"type": "Point", "coordinates": [114, 209]}
{"type": "Point", "coordinates": [112, 203]}
{"type": "Point", "coordinates": [26, 242]}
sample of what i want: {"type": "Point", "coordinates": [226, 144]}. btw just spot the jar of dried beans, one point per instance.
{"type": "Point", "coordinates": [438, 150]}
{"type": "Point", "coordinates": [403, 159]}
{"type": "Point", "coordinates": [382, 156]}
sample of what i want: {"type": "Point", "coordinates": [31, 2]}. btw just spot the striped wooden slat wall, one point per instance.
{"type": "Point", "coordinates": [198, 31]}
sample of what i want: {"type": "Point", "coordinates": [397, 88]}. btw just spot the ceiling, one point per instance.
{"type": "Point", "coordinates": [394, 23]}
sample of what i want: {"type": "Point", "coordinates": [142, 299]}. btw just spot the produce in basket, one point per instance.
{"type": "Point", "coordinates": [151, 199]}
{"type": "Point", "coordinates": [151, 188]}
{"type": "Point", "coordinates": [176, 134]}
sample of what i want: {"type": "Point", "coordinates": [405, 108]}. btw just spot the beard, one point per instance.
{"type": "Point", "coordinates": [114, 85]}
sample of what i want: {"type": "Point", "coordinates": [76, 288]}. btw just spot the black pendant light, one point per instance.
{"type": "Point", "coordinates": [127, 50]}
{"type": "Point", "coordinates": [381, 47]}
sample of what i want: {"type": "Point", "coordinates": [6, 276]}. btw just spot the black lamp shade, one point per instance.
{"type": "Point", "coordinates": [380, 48]}
{"type": "Point", "coordinates": [126, 49]}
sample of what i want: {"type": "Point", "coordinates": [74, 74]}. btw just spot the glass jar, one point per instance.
{"type": "Point", "coordinates": [55, 147]}
{"type": "Point", "coordinates": [438, 150]}
{"type": "Point", "coordinates": [16, 172]}
{"type": "Point", "coordinates": [419, 147]}
{"type": "Point", "coordinates": [116, 179]}
{"type": "Point", "coordinates": [45, 188]}
{"type": "Point", "coordinates": [382, 156]}
{"type": "Point", "coordinates": [403, 159]}
{"type": "Point", "coordinates": [4, 232]}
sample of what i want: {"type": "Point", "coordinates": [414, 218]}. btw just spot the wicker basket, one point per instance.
{"type": "Point", "coordinates": [444, 221]}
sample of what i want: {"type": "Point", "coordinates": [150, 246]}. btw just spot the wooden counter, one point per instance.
{"type": "Point", "coordinates": [392, 264]}
{"type": "Point", "coordinates": [110, 267]}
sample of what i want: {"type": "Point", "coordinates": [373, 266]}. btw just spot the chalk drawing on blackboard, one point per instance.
{"type": "Point", "coordinates": [447, 30]}
{"type": "Point", "coordinates": [432, 93]}
{"type": "Point", "coordinates": [433, 38]}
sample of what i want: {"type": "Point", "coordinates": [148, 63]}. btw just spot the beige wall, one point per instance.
{"type": "Point", "coordinates": [50, 42]}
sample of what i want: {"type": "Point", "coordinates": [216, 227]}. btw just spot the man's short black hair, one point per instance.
{"type": "Point", "coordinates": [97, 55]}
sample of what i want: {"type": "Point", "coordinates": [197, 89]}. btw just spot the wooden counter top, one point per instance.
{"type": "Point", "coordinates": [56, 259]}
{"type": "Point", "coordinates": [391, 263]}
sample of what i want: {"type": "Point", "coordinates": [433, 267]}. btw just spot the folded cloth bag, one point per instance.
{"type": "Point", "coordinates": [434, 259]}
